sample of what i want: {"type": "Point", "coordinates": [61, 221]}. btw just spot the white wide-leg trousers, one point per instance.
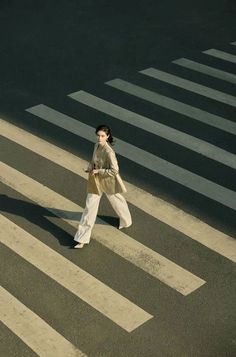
{"type": "Point", "coordinates": [89, 215]}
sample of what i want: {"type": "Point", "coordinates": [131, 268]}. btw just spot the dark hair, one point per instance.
{"type": "Point", "coordinates": [107, 130]}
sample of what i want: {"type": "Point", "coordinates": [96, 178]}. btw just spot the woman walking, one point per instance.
{"type": "Point", "coordinates": [103, 178]}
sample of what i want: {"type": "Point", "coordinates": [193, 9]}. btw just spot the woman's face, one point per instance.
{"type": "Point", "coordinates": [102, 137]}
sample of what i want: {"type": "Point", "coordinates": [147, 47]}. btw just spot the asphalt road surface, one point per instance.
{"type": "Point", "coordinates": [162, 75]}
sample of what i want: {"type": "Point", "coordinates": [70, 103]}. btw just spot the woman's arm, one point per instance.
{"type": "Point", "coordinates": [91, 164]}
{"type": "Point", "coordinates": [89, 168]}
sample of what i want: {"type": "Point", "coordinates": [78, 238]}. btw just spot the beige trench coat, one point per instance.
{"type": "Point", "coordinates": [108, 179]}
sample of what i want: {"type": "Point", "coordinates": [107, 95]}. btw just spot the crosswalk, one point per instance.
{"type": "Point", "coordinates": [144, 123]}
{"type": "Point", "coordinates": [34, 331]}
{"type": "Point", "coordinates": [138, 254]}
{"type": "Point", "coordinates": [144, 158]}
{"type": "Point", "coordinates": [210, 71]}
{"type": "Point", "coordinates": [174, 105]}
{"type": "Point", "coordinates": [111, 304]}
{"type": "Point", "coordinates": [151, 205]}
{"type": "Point", "coordinates": [93, 292]}
{"type": "Point", "coordinates": [221, 54]}
{"type": "Point", "coordinates": [190, 86]}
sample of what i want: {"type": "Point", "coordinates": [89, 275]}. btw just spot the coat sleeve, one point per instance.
{"type": "Point", "coordinates": [90, 166]}
{"type": "Point", "coordinates": [113, 169]}
{"type": "Point", "coordinates": [91, 163]}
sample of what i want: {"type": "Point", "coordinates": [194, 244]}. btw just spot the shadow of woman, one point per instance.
{"type": "Point", "coordinates": [40, 216]}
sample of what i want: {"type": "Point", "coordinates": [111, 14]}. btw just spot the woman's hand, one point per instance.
{"type": "Point", "coordinates": [94, 172]}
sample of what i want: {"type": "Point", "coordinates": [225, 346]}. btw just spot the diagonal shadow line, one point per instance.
{"type": "Point", "coordinates": [21, 207]}
{"type": "Point", "coordinates": [38, 215]}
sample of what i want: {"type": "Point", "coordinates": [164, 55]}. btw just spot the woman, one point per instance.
{"type": "Point", "coordinates": [103, 178]}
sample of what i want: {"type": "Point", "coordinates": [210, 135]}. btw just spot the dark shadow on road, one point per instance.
{"type": "Point", "coordinates": [40, 216]}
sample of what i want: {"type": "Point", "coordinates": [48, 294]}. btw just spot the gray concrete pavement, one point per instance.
{"type": "Point", "coordinates": [50, 51]}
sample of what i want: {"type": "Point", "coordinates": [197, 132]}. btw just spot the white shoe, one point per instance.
{"type": "Point", "coordinates": [79, 245]}
{"type": "Point", "coordinates": [125, 226]}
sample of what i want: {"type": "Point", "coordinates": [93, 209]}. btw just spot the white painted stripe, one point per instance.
{"type": "Point", "coordinates": [210, 71]}
{"type": "Point", "coordinates": [115, 240]}
{"type": "Point", "coordinates": [190, 86]}
{"type": "Point", "coordinates": [174, 105]}
{"type": "Point", "coordinates": [178, 174]}
{"type": "Point", "coordinates": [98, 295]}
{"type": "Point", "coordinates": [142, 122]}
{"type": "Point", "coordinates": [154, 206]}
{"type": "Point", "coordinates": [220, 54]}
{"type": "Point", "coordinates": [30, 328]}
